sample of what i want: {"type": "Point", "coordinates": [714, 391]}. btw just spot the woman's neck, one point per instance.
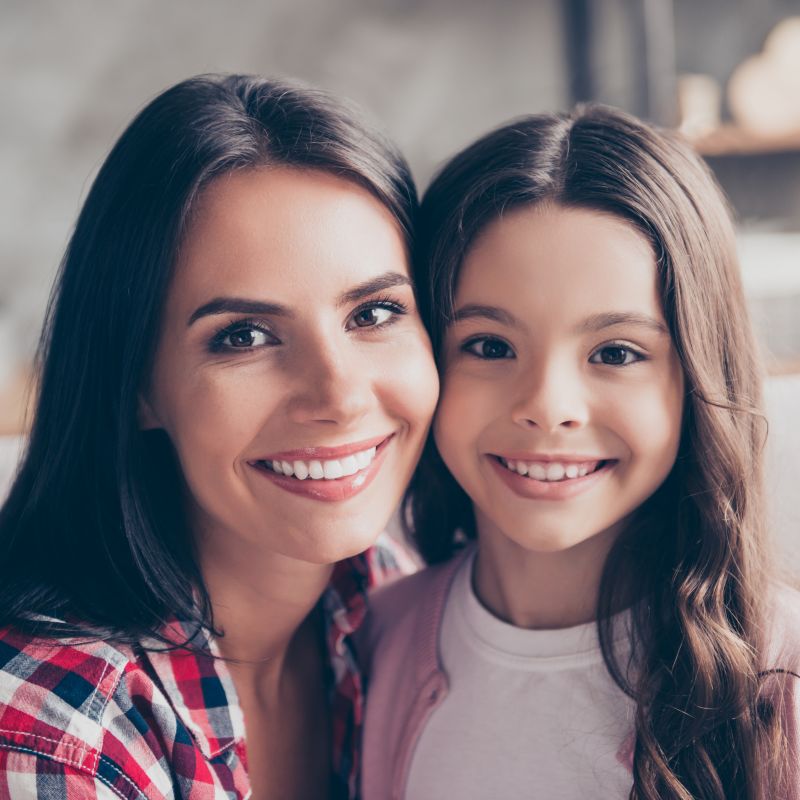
{"type": "Point", "coordinates": [260, 601]}
{"type": "Point", "coordinates": [539, 589]}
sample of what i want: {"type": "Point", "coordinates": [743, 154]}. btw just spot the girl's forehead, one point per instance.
{"type": "Point", "coordinates": [552, 256]}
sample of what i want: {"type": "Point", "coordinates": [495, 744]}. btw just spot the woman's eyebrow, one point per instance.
{"type": "Point", "coordinates": [376, 284]}
{"type": "Point", "coordinates": [492, 313]}
{"type": "Point", "coordinates": [241, 305]}
{"type": "Point", "coordinates": [598, 322]}
{"type": "Point", "coordinates": [238, 305]}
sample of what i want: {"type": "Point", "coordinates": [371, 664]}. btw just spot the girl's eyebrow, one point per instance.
{"type": "Point", "coordinates": [492, 313]}
{"type": "Point", "coordinates": [598, 322]}
{"type": "Point", "coordinates": [241, 305]}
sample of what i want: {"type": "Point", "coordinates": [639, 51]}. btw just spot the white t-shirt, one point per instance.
{"type": "Point", "coordinates": [529, 713]}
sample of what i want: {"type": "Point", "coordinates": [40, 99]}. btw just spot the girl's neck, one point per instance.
{"type": "Point", "coordinates": [537, 589]}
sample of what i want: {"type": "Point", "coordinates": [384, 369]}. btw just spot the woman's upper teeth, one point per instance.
{"type": "Point", "coordinates": [328, 470]}
{"type": "Point", "coordinates": [550, 470]}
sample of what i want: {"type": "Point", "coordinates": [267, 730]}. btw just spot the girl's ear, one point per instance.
{"type": "Point", "coordinates": [146, 417]}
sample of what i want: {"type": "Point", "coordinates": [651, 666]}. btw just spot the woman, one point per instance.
{"type": "Point", "coordinates": [223, 425]}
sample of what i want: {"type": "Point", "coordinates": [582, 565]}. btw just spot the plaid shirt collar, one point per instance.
{"type": "Point", "coordinates": [201, 691]}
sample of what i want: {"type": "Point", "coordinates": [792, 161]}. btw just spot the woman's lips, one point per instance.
{"type": "Point", "coordinates": [550, 479]}
{"type": "Point", "coordinates": [327, 479]}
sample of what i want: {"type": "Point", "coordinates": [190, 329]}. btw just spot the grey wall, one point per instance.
{"type": "Point", "coordinates": [434, 74]}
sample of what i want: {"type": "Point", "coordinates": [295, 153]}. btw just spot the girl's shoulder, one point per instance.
{"type": "Point", "coordinates": [422, 593]}
{"type": "Point", "coordinates": [408, 610]}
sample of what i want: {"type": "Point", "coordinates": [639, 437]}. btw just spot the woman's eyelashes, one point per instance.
{"type": "Point", "coordinates": [377, 313]}
{"type": "Point", "coordinates": [249, 334]}
{"type": "Point", "coordinates": [243, 334]}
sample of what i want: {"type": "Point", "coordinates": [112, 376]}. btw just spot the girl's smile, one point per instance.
{"type": "Point", "coordinates": [551, 479]}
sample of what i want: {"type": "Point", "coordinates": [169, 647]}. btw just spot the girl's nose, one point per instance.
{"type": "Point", "coordinates": [328, 388]}
{"type": "Point", "coordinates": [550, 398]}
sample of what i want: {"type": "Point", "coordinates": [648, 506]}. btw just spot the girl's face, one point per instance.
{"type": "Point", "coordinates": [562, 392]}
{"type": "Point", "coordinates": [293, 375]}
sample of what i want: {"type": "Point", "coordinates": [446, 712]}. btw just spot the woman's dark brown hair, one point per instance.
{"type": "Point", "coordinates": [691, 564]}
{"type": "Point", "coordinates": [93, 531]}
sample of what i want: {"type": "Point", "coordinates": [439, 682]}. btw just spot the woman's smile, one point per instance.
{"type": "Point", "coordinates": [326, 473]}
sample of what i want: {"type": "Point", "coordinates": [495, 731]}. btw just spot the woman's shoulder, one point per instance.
{"type": "Point", "coordinates": [85, 707]}
{"type": "Point", "coordinates": [50, 679]}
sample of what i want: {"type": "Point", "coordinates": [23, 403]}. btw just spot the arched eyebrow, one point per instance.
{"type": "Point", "coordinates": [241, 305]}
{"type": "Point", "coordinates": [378, 284]}
{"type": "Point", "coordinates": [238, 305]}
{"type": "Point", "coordinates": [599, 322]}
{"type": "Point", "coordinates": [592, 324]}
{"type": "Point", "coordinates": [491, 313]}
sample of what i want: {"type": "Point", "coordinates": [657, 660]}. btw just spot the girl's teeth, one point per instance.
{"type": "Point", "coordinates": [555, 472]}
{"type": "Point", "coordinates": [325, 470]}
{"type": "Point", "coordinates": [538, 472]}
{"type": "Point", "coordinates": [551, 471]}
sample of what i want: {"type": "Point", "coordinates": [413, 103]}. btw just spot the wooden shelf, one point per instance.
{"type": "Point", "coordinates": [731, 140]}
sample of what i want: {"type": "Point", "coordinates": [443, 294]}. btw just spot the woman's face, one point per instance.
{"type": "Point", "coordinates": [293, 374]}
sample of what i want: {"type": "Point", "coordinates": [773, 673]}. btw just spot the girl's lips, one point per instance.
{"type": "Point", "coordinates": [564, 489]}
{"type": "Point", "coordinates": [328, 490]}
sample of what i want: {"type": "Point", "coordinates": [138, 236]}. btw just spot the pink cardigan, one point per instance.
{"type": "Point", "coordinates": [398, 645]}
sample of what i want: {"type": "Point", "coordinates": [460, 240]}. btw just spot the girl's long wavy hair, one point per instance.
{"type": "Point", "coordinates": [94, 530]}
{"type": "Point", "coordinates": [692, 560]}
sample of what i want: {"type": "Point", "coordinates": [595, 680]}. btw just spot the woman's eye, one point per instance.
{"type": "Point", "coordinates": [246, 338]}
{"type": "Point", "coordinates": [615, 356]}
{"type": "Point", "coordinates": [242, 337]}
{"type": "Point", "coordinates": [489, 348]}
{"type": "Point", "coordinates": [374, 316]}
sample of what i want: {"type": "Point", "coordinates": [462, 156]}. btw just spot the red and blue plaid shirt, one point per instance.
{"type": "Point", "coordinates": [84, 720]}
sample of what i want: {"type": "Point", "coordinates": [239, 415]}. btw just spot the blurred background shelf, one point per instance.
{"type": "Point", "coordinates": [731, 140]}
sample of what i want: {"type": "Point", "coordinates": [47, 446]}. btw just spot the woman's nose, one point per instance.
{"type": "Point", "coordinates": [329, 388]}
{"type": "Point", "coordinates": [550, 397]}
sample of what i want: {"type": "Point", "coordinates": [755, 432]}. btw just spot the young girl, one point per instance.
{"type": "Point", "coordinates": [612, 632]}
{"type": "Point", "coordinates": [217, 445]}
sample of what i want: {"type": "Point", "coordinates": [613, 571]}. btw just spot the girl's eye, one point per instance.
{"type": "Point", "coordinates": [375, 315]}
{"type": "Point", "coordinates": [242, 336]}
{"type": "Point", "coordinates": [615, 356]}
{"type": "Point", "coordinates": [489, 348]}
